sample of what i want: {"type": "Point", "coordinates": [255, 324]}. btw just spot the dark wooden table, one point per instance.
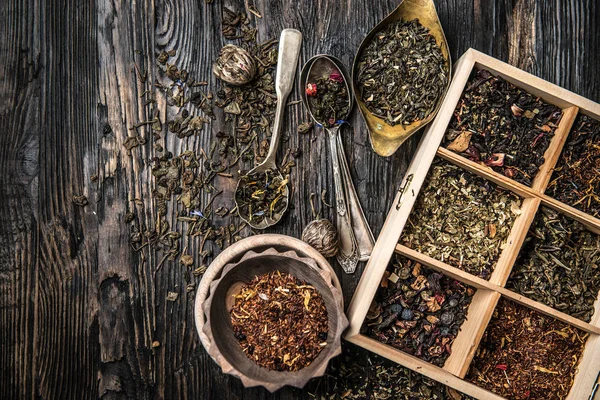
{"type": "Point", "coordinates": [79, 310]}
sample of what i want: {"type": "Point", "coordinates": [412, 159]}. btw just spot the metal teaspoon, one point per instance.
{"type": "Point", "coordinates": [289, 51]}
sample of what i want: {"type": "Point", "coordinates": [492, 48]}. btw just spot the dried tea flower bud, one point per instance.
{"type": "Point", "coordinates": [323, 236]}
{"type": "Point", "coordinates": [235, 65]}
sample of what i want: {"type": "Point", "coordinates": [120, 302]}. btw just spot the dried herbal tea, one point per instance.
{"type": "Point", "coordinates": [461, 219]}
{"type": "Point", "coordinates": [328, 99]}
{"type": "Point", "coordinates": [402, 73]}
{"type": "Point", "coordinates": [559, 265]}
{"type": "Point", "coordinates": [576, 178]}
{"type": "Point", "coordinates": [280, 322]}
{"type": "Point", "coordinates": [501, 126]}
{"type": "Point", "coordinates": [360, 375]}
{"type": "Point", "coordinates": [261, 195]}
{"type": "Point", "coordinates": [418, 310]}
{"type": "Point", "coordinates": [526, 355]}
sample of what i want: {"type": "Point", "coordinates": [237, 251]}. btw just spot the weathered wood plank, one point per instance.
{"type": "Point", "coordinates": [22, 80]}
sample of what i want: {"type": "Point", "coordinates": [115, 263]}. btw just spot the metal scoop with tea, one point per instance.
{"type": "Point", "coordinates": [385, 138]}
{"type": "Point", "coordinates": [289, 51]}
{"type": "Point", "coordinates": [356, 239]}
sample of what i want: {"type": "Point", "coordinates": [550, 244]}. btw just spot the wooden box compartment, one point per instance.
{"type": "Point", "coordinates": [531, 348]}
{"type": "Point", "coordinates": [455, 287]}
{"type": "Point", "coordinates": [491, 290]}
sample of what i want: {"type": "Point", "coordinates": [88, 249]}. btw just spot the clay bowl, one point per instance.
{"type": "Point", "coordinates": [238, 265]}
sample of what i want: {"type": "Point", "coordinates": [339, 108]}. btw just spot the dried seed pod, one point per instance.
{"type": "Point", "coordinates": [235, 66]}
{"type": "Point", "coordinates": [323, 236]}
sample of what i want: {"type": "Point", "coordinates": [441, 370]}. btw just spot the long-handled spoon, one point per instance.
{"type": "Point", "coordinates": [289, 51]}
{"type": "Point", "coordinates": [349, 252]}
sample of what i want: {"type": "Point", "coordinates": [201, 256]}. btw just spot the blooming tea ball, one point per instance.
{"type": "Point", "coordinates": [235, 65]}
{"type": "Point", "coordinates": [323, 236]}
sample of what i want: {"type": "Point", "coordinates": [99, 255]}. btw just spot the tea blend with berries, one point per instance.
{"type": "Point", "coordinates": [526, 355]}
{"type": "Point", "coordinates": [499, 125]}
{"type": "Point", "coordinates": [559, 265]}
{"type": "Point", "coordinates": [328, 99]}
{"type": "Point", "coordinates": [418, 310]}
{"type": "Point", "coordinates": [280, 322]}
{"type": "Point", "coordinates": [402, 73]}
{"type": "Point", "coordinates": [461, 219]}
{"type": "Point", "coordinates": [576, 177]}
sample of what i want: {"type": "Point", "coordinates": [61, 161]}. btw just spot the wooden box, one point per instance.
{"type": "Point", "coordinates": [488, 292]}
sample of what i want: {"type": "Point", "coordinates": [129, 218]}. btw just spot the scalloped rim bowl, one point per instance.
{"type": "Point", "coordinates": [240, 263]}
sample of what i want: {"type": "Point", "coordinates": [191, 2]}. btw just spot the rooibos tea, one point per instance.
{"type": "Point", "coordinates": [402, 73]}
{"type": "Point", "coordinates": [526, 355]}
{"type": "Point", "coordinates": [280, 322]}
{"type": "Point", "coordinates": [576, 178]}
{"type": "Point", "coordinates": [418, 311]}
{"type": "Point", "coordinates": [501, 126]}
{"type": "Point", "coordinates": [461, 219]}
{"type": "Point", "coordinates": [559, 265]}
{"type": "Point", "coordinates": [328, 99]}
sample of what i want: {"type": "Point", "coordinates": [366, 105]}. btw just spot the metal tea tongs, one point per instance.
{"type": "Point", "coordinates": [356, 238]}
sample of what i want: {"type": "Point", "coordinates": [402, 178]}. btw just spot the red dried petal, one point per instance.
{"type": "Point", "coordinates": [497, 160]}
{"type": "Point", "coordinates": [311, 89]}
{"type": "Point", "coordinates": [337, 77]}
{"type": "Point", "coordinates": [501, 366]}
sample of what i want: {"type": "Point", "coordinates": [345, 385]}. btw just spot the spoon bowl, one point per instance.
{"type": "Point", "coordinates": [385, 139]}
{"type": "Point", "coordinates": [323, 65]}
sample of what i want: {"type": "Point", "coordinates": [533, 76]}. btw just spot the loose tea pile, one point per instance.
{"type": "Point", "coordinates": [260, 196]}
{"type": "Point", "coordinates": [185, 187]}
{"type": "Point", "coordinates": [559, 265]}
{"type": "Point", "coordinates": [359, 375]}
{"type": "Point", "coordinates": [461, 219]}
{"type": "Point", "coordinates": [526, 355]}
{"type": "Point", "coordinates": [402, 73]}
{"type": "Point", "coordinates": [280, 322]}
{"type": "Point", "coordinates": [576, 178]}
{"type": "Point", "coordinates": [328, 99]}
{"type": "Point", "coordinates": [501, 126]}
{"type": "Point", "coordinates": [418, 311]}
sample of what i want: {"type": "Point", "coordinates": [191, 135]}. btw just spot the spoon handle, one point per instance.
{"type": "Point", "coordinates": [348, 252]}
{"type": "Point", "coordinates": [362, 231]}
{"type": "Point", "coordinates": [289, 51]}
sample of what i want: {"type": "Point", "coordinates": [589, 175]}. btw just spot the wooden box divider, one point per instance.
{"type": "Point", "coordinates": [488, 292]}
{"type": "Point", "coordinates": [554, 149]}
{"type": "Point", "coordinates": [485, 172]}
{"type": "Point", "coordinates": [515, 241]}
{"type": "Point", "coordinates": [592, 223]}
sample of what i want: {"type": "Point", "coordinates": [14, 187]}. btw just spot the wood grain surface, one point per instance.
{"type": "Point", "coordinates": [79, 310]}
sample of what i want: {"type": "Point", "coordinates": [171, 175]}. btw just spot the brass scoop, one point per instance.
{"type": "Point", "coordinates": [385, 139]}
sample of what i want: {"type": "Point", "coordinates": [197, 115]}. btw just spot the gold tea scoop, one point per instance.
{"type": "Point", "coordinates": [289, 51]}
{"type": "Point", "coordinates": [385, 139]}
{"type": "Point", "coordinates": [356, 239]}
